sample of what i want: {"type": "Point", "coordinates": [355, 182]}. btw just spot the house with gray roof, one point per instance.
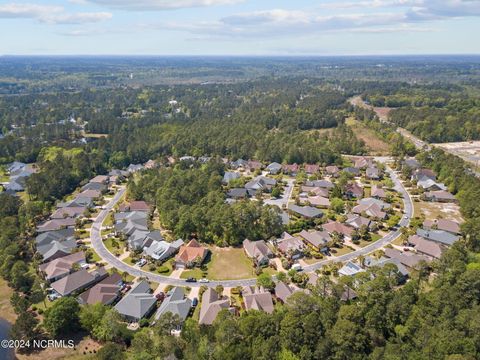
{"type": "Point", "coordinates": [274, 168]}
{"type": "Point", "coordinates": [138, 303]}
{"type": "Point", "coordinates": [440, 236]}
{"type": "Point", "coordinates": [60, 267]}
{"type": "Point", "coordinates": [105, 292]}
{"type": "Point", "coordinates": [68, 212]}
{"type": "Point", "coordinates": [443, 224]}
{"type": "Point", "coordinates": [78, 281]}
{"type": "Point", "coordinates": [440, 196]}
{"type": "Point", "coordinates": [430, 185]}
{"type": "Point", "coordinates": [305, 211]}
{"type": "Point", "coordinates": [426, 247]}
{"type": "Point", "coordinates": [229, 176]}
{"type": "Point", "coordinates": [410, 260]}
{"type": "Point", "coordinates": [325, 184]}
{"type": "Point", "coordinates": [260, 183]}
{"type": "Point", "coordinates": [258, 251]}
{"type": "Point", "coordinates": [316, 239]}
{"type": "Point", "coordinates": [257, 298]}
{"type": "Point", "coordinates": [350, 269]}
{"type": "Point", "coordinates": [162, 250]}
{"type": "Point", "coordinates": [55, 244]}
{"type": "Point", "coordinates": [237, 193]}
{"type": "Point", "coordinates": [357, 221]}
{"type": "Point", "coordinates": [134, 168]}
{"type": "Point", "coordinates": [284, 291]}
{"type": "Point", "coordinates": [140, 239]}
{"type": "Point", "coordinates": [56, 224]}
{"type": "Point", "coordinates": [175, 303]}
{"type": "Point", "coordinates": [79, 201]}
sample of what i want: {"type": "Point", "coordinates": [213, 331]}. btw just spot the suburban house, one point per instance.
{"type": "Point", "coordinates": [100, 179]}
{"type": "Point", "coordinates": [325, 184]}
{"type": "Point", "coordinates": [254, 165]}
{"type": "Point", "coordinates": [140, 239]}
{"type": "Point", "coordinates": [339, 228]}
{"type": "Point", "coordinates": [440, 196]}
{"type": "Point", "coordinates": [274, 168]}
{"type": "Point", "coordinates": [426, 247]}
{"type": "Point", "coordinates": [95, 186]}
{"type": "Point", "coordinates": [258, 251]}
{"type": "Point", "coordinates": [127, 222]}
{"type": "Point", "coordinates": [439, 236]}
{"type": "Point", "coordinates": [78, 281]}
{"type": "Point", "coordinates": [410, 260]}
{"type": "Point", "coordinates": [332, 170]}
{"type": "Point", "coordinates": [162, 250]}
{"type": "Point", "coordinates": [318, 240]}
{"type": "Point", "coordinates": [290, 169]}
{"type": "Point", "coordinates": [175, 303]}
{"type": "Point", "coordinates": [93, 194]}
{"type": "Point", "coordinates": [372, 210]}
{"type": "Point", "coordinates": [238, 193]}
{"type": "Point", "coordinates": [133, 168]}
{"type": "Point", "coordinates": [420, 174]}
{"type": "Point", "coordinates": [56, 224]}
{"type": "Point", "coordinates": [105, 292]}
{"type": "Point", "coordinates": [370, 201]}
{"type": "Point", "coordinates": [430, 185]}
{"type": "Point", "coordinates": [137, 303]}
{"type": "Point", "coordinates": [135, 206]}
{"type": "Point", "coordinates": [443, 224]}
{"type": "Point", "coordinates": [60, 267]}
{"type": "Point", "coordinates": [260, 183]}
{"type": "Point", "coordinates": [68, 212]}
{"type": "Point", "coordinates": [212, 304]}
{"type": "Point", "coordinates": [311, 168]}
{"type": "Point", "coordinates": [350, 269]}
{"type": "Point", "coordinates": [257, 298]}
{"type": "Point", "coordinates": [315, 190]}
{"type": "Point", "coordinates": [229, 176]}
{"type": "Point", "coordinates": [372, 173]}
{"type": "Point", "coordinates": [412, 163]}
{"type": "Point", "coordinates": [377, 192]}
{"type": "Point", "coordinates": [191, 254]}
{"type": "Point", "coordinates": [352, 170]}
{"type": "Point", "coordinates": [353, 190]}
{"type": "Point", "coordinates": [290, 246]}
{"type": "Point", "coordinates": [362, 162]}
{"type": "Point", "coordinates": [357, 221]}
{"type": "Point", "coordinates": [318, 201]}
{"type": "Point", "coordinates": [240, 163]}
{"type": "Point", "coordinates": [308, 212]}
{"type": "Point", "coordinates": [55, 244]}
{"type": "Point", "coordinates": [400, 268]}
{"type": "Point", "coordinates": [79, 201]}
{"type": "Point", "coordinates": [284, 291]}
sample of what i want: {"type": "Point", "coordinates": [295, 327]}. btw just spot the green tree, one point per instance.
{"type": "Point", "coordinates": [62, 317]}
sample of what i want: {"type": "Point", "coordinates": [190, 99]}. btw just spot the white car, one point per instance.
{"type": "Point", "coordinates": [141, 263]}
{"type": "Point", "coordinates": [203, 280]}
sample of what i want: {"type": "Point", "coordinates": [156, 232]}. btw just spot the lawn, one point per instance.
{"type": "Point", "coordinates": [195, 273]}
{"type": "Point", "coordinates": [95, 257]}
{"type": "Point", "coordinates": [344, 250]}
{"type": "Point", "coordinates": [375, 237]}
{"type": "Point", "coordinates": [114, 249]}
{"type": "Point", "coordinates": [229, 264]}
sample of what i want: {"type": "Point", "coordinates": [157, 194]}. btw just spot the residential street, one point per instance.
{"type": "Point", "coordinates": [102, 251]}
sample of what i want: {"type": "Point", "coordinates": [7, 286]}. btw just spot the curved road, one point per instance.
{"type": "Point", "coordinates": [106, 255]}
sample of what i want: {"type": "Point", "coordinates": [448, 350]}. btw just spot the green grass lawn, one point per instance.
{"type": "Point", "coordinates": [109, 244]}
{"type": "Point", "coordinates": [229, 264]}
{"type": "Point", "coordinates": [269, 271]}
{"type": "Point", "coordinates": [95, 257]}
{"type": "Point", "coordinates": [342, 251]}
{"type": "Point", "coordinates": [196, 273]}
{"type": "Point", "coordinates": [106, 232]}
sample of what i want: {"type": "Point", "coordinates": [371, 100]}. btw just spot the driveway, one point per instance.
{"type": "Point", "coordinates": [287, 194]}
{"type": "Point", "coordinates": [107, 256]}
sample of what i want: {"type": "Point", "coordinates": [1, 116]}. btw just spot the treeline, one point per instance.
{"type": "Point", "coordinates": [190, 202]}
{"type": "Point", "coordinates": [457, 175]}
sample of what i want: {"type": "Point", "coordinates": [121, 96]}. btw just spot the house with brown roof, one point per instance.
{"type": "Point", "coordinates": [371, 210]}
{"type": "Point", "coordinates": [254, 165]}
{"type": "Point", "coordinates": [316, 239]}
{"type": "Point", "coordinates": [135, 206]}
{"type": "Point", "coordinates": [257, 299]}
{"type": "Point", "coordinates": [443, 224]}
{"type": "Point", "coordinates": [362, 162]}
{"type": "Point", "coordinates": [357, 221]}
{"type": "Point", "coordinates": [337, 227]}
{"type": "Point", "coordinates": [317, 201]}
{"type": "Point", "coordinates": [78, 281]}
{"type": "Point", "coordinates": [60, 267]}
{"type": "Point", "coordinates": [92, 194]}
{"type": "Point", "coordinates": [353, 190]}
{"type": "Point", "coordinates": [332, 170]}
{"type": "Point", "coordinates": [424, 173]}
{"type": "Point", "coordinates": [212, 304]}
{"type": "Point", "coordinates": [105, 292]}
{"type": "Point", "coordinates": [258, 251]}
{"type": "Point", "coordinates": [315, 191]}
{"type": "Point", "coordinates": [377, 192]}
{"type": "Point", "coordinates": [284, 291]}
{"type": "Point", "coordinates": [426, 247]}
{"type": "Point", "coordinates": [409, 259]}
{"type": "Point", "coordinates": [291, 169]}
{"type": "Point", "coordinates": [290, 246]}
{"type": "Point", "coordinates": [311, 168]}
{"type": "Point", "coordinates": [190, 255]}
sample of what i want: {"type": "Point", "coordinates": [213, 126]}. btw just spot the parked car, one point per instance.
{"type": "Point", "coordinates": [297, 267]}
{"type": "Point", "coordinates": [203, 280]}
{"type": "Point", "coordinates": [194, 302]}
{"type": "Point", "coordinates": [160, 296]}
{"type": "Point", "coordinates": [141, 262]}
{"type": "Point", "coordinates": [191, 279]}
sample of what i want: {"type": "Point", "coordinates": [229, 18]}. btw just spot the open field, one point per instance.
{"type": "Point", "coordinates": [85, 349]}
{"type": "Point", "coordinates": [433, 210]}
{"type": "Point", "coordinates": [375, 145]}
{"type": "Point", "coordinates": [6, 310]}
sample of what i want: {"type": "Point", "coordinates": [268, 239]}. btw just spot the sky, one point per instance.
{"type": "Point", "coordinates": [239, 27]}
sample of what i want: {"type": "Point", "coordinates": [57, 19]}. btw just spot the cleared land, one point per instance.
{"type": "Point", "coordinates": [433, 210]}
{"type": "Point", "coordinates": [375, 145]}
{"type": "Point", "coordinates": [6, 310]}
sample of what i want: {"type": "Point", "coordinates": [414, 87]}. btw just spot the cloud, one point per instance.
{"type": "Point", "coordinates": [156, 5]}
{"type": "Point", "coordinates": [50, 14]}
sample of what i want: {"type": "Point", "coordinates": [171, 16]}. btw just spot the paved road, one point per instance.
{"type": "Point", "coordinates": [106, 255]}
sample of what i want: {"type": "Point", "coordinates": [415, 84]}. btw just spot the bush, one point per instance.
{"type": "Point", "coordinates": [40, 311]}
{"type": "Point", "coordinates": [144, 322]}
{"type": "Point", "coordinates": [163, 269]}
